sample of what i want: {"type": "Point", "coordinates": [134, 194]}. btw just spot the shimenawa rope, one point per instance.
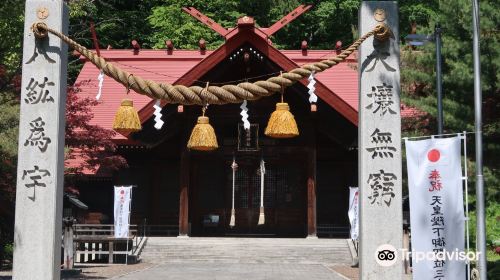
{"type": "Point", "coordinates": [180, 94]}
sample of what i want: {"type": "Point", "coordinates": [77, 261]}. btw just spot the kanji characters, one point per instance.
{"type": "Point", "coordinates": [381, 141]}
{"type": "Point", "coordinates": [437, 227]}
{"type": "Point", "coordinates": [38, 92]}
{"type": "Point", "coordinates": [35, 178]}
{"type": "Point", "coordinates": [382, 99]}
{"type": "Point", "coordinates": [435, 181]}
{"type": "Point", "coordinates": [37, 136]}
{"type": "Point", "coordinates": [382, 187]}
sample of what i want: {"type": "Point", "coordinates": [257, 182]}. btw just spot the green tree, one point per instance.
{"type": "Point", "coordinates": [418, 79]}
{"type": "Point", "coordinates": [170, 22]}
{"type": "Point", "coordinates": [11, 32]}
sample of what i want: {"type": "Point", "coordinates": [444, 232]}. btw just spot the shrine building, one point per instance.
{"type": "Point", "coordinates": [183, 192]}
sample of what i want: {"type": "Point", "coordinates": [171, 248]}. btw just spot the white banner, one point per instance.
{"type": "Point", "coordinates": [353, 212]}
{"type": "Point", "coordinates": [123, 196]}
{"type": "Point", "coordinates": [436, 208]}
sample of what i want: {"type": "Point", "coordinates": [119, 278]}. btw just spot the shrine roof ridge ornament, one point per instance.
{"type": "Point", "coordinates": [247, 22]}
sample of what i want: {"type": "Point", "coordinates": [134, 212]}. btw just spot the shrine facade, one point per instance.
{"type": "Point", "coordinates": [307, 178]}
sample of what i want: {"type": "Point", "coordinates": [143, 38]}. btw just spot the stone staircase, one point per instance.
{"type": "Point", "coordinates": [160, 250]}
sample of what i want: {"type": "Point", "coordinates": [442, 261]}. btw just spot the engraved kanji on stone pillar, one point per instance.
{"type": "Point", "coordinates": [381, 226]}
{"type": "Point", "coordinates": [38, 221]}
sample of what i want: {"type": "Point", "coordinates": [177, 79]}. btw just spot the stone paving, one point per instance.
{"type": "Point", "coordinates": [246, 250]}
{"type": "Point", "coordinates": [231, 258]}
{"type": "Point", "coordinates": [232, 271]}
{"type": "Point", "coordinates": [242, 258]}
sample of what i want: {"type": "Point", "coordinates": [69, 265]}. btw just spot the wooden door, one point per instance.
{"type": "Point", "coordinates": [284, 198]}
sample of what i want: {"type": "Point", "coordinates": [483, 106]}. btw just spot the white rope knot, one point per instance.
{"type": "Point", "coordinates": [157, 113]}
{"type": "Point", "coordinates": [100, 78]}
{"type": "Point", "coordinates": [244, 115]}
{"type": "Point", "coordinates": [313, 98]}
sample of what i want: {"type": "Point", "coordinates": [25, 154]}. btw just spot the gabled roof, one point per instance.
{"type": "Point", "coordinates": [338, 83]}
{"type": "Point", "coordinates": [337, 86]}
{"type": "Point", "coordinates": [151, 64]}
{"type": "Point", "coordinates": [248, 35]}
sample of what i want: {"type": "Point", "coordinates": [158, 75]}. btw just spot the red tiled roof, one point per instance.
{"type": "Point", "coordinates": [157, 65]}
{"type": "Point", "coordinates": [148, 64]}
{"type": "Point", "coordinates": [337, 86]}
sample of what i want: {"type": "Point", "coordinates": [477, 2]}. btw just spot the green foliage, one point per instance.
{"type": "Point", "coordinates": [170, 22]}
{"type": "Point", "coordinates": [326, 23]}
{"type": "Point", "coordinates": [11, 33]}
{"type": "Point", "coordinates": [9, 119]}
{"type": "Point", "coordinates": [418, 78]}
{"type": "Point", "coordinates": [8, 250]}
{"type": "Point", "coordinates": [117, 22]}
{"type": "Point", "coordinates": [492, 217]}
{"type": "Point", "coordinates": [418, 88]}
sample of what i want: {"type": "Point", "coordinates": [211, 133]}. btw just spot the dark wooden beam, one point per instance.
{"type": "Point", "coordinates": [184, 196]}
{"type": "Point", "coordinates": [311, 193]}
{"type": "Point", "coordinates": [155, 172]}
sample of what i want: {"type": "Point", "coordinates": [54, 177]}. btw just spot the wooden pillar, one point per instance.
{"type": "Point", "coordinates": [156, 200]}
{"type": "Point", "coordinates": [40, 169]}
{"type": "Point", "coordinates": [68, 244]}
{"type": "Point", "coordinates": [110, 254]}
{"type": "Point", "coordinates": [184, 196]}
{"type": "Point", "coordinates": [311, 193]}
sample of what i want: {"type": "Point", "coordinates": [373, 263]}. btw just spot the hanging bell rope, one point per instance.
{"type": "Point", "coordinates": [232, 221]}
{"type": "Point", "coordinates": [262, 217]}
{"type": "Point", "coordinates": [179, 94]}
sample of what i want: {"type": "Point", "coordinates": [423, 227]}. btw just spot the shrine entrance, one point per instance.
{"type": "Point", "coordinates": [285, 194]}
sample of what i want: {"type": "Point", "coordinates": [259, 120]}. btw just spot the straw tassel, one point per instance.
{"type": "Point", "coordinates": [232, 222]}
{"type": "Point", "coordinates": [203, 136]}
{"type": "Point", "coordinates": [126, 118]}
{"type": "Point", "coordinates": [282, 123]}
{"type": "Point", "coordinates": [262, 217]}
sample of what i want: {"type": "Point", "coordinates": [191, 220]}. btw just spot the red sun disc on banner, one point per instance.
{"type": "Point", "coordinates": [433, 155]}
{"type": "Point", "coordinates": [122, 192]}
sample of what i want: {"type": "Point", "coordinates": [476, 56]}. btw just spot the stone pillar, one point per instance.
{"type": "Point", "coordinates": [380, 145]}
{"type": "Point", "coordinates": [37, 231]}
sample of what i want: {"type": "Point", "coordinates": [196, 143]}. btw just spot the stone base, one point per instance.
{"type": "Point", "coordinates": [354, 253]}
{"type": "Point", "coordinates": [182, 236]}
{"type": "Point", "coordinates": [312, 236]}
{"type": "Point", "coordinates": [70, 272]}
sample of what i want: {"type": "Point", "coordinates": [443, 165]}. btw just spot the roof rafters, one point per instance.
{"type": "Point", "coordinates": [206, 20]}
{"type": "Point", "coordinates": [268, 31]}
{"type": "Point", "coordinates": [287, 19]}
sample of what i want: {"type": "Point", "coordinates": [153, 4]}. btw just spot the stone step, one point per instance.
{"type": "Point", "coordinates": [246, 250]}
